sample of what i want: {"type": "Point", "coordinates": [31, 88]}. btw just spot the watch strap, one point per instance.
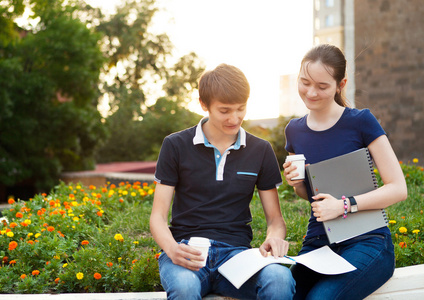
{"type": "Point", "coordinates": [353, 205]}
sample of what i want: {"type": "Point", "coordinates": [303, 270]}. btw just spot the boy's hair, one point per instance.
{"type": "Point", "coordinates": [226, 84]}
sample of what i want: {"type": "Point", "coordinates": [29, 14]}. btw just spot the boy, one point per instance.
{"type": "Point", "coordinates": [209, 172]}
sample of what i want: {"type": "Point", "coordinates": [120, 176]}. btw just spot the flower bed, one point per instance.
{"type": "Point", "coordinates": [67, 242]}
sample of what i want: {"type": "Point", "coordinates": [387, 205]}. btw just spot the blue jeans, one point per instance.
{"type": "Point", "coordinates": [272, 282]}
{"type": "Point", "coordinates": [371, 254]}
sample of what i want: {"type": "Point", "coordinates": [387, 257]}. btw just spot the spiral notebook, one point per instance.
{"type": "Point", "coordinates": [349, 175]}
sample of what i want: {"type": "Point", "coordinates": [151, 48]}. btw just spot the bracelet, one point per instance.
{"type": "Point", "coordinates": [345, 207]}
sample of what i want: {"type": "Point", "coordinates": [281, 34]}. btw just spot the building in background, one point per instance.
{"type": "Point", "coordinates": [389, 70]}
{"type": "Point", "coordinates": [384, 47]}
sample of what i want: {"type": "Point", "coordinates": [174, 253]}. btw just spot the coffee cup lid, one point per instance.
{"type": "Point", "coordinates": [199, 241]}
{"type": "Point", "coordinates": [295, 157]}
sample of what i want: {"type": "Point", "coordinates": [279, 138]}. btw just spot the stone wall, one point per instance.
{"type": "Point", "coordinates": [389, 51]}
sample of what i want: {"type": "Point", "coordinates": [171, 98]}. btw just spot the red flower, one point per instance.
{"type": "Point", "coordinates": [97, 276]}
{"type": "Point", "coordinates": [85, 242]}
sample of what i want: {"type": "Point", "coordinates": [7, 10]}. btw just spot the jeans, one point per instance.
{"type": "Point", "coordinates": [272, 282]}
{"type": "Point", "coordinates": [371, 254]}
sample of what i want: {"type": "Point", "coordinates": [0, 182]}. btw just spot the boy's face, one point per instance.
{"type": "Point", "coordinates": [225, 119]}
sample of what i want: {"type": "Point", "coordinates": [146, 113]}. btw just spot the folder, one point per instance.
{"type": "Point", "coordinates": [347, 175]}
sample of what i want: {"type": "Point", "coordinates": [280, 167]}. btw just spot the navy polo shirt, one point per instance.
{"type": "Point", "coordinates": [213, 191]}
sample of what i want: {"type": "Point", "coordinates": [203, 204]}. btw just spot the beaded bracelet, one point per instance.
{"type": "Point", "coordinates": [345, 207]}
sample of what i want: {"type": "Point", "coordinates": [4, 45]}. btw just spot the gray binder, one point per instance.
{"type": "Point", "coordinates": [349, 175]}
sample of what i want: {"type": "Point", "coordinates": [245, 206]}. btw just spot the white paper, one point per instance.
{"type": "Point", "coordinates": [244, 265]}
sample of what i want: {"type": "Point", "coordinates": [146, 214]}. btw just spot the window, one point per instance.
{"type": "Point", "coordinates": [329, 3]}
{"type": "Point", "coordinates": [317, 24]}
{"type": "Point", "coordinates": [329, 21]}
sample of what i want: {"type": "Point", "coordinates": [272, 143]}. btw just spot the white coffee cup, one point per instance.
{"type": "Point", "coordinates": [201, 244]}
{"type": "Point", "coordinates": [298, 160]}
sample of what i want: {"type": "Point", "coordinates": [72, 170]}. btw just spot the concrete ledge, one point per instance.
{"type": "Point", "coordinates": [406, 283]}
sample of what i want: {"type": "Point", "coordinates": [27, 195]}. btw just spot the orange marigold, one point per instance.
{"type": "Point", "coordinates": [23, 276]}
{"type": "Point", "coordinates": [19, 215]}
{"type": "Point", "coordinates": [13, 245]}
{"type": "Point", "coordinates": [402, 244]}
{"type": "Point", "coordinates": [85, 242]}
{"type": "Point", "coordinates": [50, 228]}
{"type": "Point", "coordinates": [13, 225]}
{"type": "Point", "coordinates": [109, 264]}
{"type": "Point", "coordinates": [99, 213]}
{"type": "Point", "coordinates": [35, 272]}
{"type": "Point", "coordinates": [12, 262]}
{"type": "Point", "coordinates": [57, 280]}
{"type": "Point", "coordinates": [11, 201]}
{"type": "Point", "coordinates": [97, 276]}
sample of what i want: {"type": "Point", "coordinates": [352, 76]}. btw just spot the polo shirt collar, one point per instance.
{"type": "Point", "coordinates": [200, 137]}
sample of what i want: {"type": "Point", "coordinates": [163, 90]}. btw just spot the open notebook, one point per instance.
{"type": "Point", "coordinates": [349, 175]}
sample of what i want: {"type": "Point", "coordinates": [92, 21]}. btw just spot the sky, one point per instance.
{"type": "Point", "coordinates": [265, 39]}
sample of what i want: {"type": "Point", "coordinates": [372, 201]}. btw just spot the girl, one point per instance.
{"type": "Point", "coordinates": [332, 129]}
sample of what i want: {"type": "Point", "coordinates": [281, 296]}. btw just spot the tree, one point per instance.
{"type": "Point", "coordinates": [49, 89]}
{"type": "Point", "coordinates": [137, 60]}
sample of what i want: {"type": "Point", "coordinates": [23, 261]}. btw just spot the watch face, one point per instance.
{"type": "Point", "coordinates": [353, 208]}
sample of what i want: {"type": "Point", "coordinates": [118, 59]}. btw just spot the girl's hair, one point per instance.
{"type": "Point", "coordinates": [226, 84]}
{"type": "Point", "coordinates": [334, 62]}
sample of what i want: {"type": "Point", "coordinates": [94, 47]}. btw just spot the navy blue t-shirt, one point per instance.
{"type": "Point", "coordinates": [213, 191]}
{"type": "Point", "coordinates": [354, 130]}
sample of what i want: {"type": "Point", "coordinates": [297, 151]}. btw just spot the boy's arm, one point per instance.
{"type": "Point", "coordinates": [276, 226]}
{"type": "Point", "coordinates": [180, 254]}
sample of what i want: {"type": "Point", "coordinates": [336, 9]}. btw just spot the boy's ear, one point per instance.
{"type": "Point", "coordinates": [203, 105]}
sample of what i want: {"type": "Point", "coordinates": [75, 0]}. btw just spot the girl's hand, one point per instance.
{"type": "Point", "coordinates": [326, 207]}
{"type": "Point", "coordinates": [291, 172]}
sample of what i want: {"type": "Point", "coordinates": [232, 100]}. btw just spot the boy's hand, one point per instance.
{"type": "Point", "coordinates": [277, 246]}
{"type": "Point", "coordinates": [186, 256]}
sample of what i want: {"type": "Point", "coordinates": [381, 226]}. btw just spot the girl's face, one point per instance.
{"type": "Point", "coordinates": [316, 86]}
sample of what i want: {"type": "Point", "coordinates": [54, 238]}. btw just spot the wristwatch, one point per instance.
{"type": "Point", "coordinates": [353, 205]}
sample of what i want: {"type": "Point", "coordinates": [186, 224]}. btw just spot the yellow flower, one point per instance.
{"type": "Point", "coordinates": [403, 230]}
{"type": "Point", "coordinates": [10, 234]}
{"type": "Point", "coordinates": [80, 275]}
{"type": "Point", "coordinates": [76, 219]}
{"type": "Point", "coordinates": [78, 187]}
{"type": "Point", "coordinates": [119, 259]}
{"type": "Point", "coordinates": [56, 257]}
{"type": "Point", "coordinates": [118, 237]}
{"type": "Point", "coordinates": [415, 231]}
{"type": "Point", "coordinates": [27, 221]}
{"type": "Point", "coordinates": [415, 160]}
{"type": "Point", "coordinates": [392, 222]}
{"type": "Point", "coordinates": [136, 242]}
{"type": "Point", "coordinates": [124, 193]}
{"type": "Point", "coordinates": [30, 234]}
{"type": "Point", "coordinates": [37, 235]}
{"type": "Point", "coordinates": [133, 194]}
{"type": "Point", "coordinates": [64, 265]}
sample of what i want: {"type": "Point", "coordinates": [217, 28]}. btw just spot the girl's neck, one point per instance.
{"type": "Point", "coordinates": [325, 119]}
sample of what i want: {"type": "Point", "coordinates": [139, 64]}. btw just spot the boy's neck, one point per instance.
{"type": "Point", "coordinates": [221, 141]}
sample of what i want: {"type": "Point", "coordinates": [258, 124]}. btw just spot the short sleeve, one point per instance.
{"type": "Point", "coordinates": [270, 175]}
{"type": "Point", "coordinates": [370, 127]}
{"type": "Point", "coordinates": [167, 164]}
